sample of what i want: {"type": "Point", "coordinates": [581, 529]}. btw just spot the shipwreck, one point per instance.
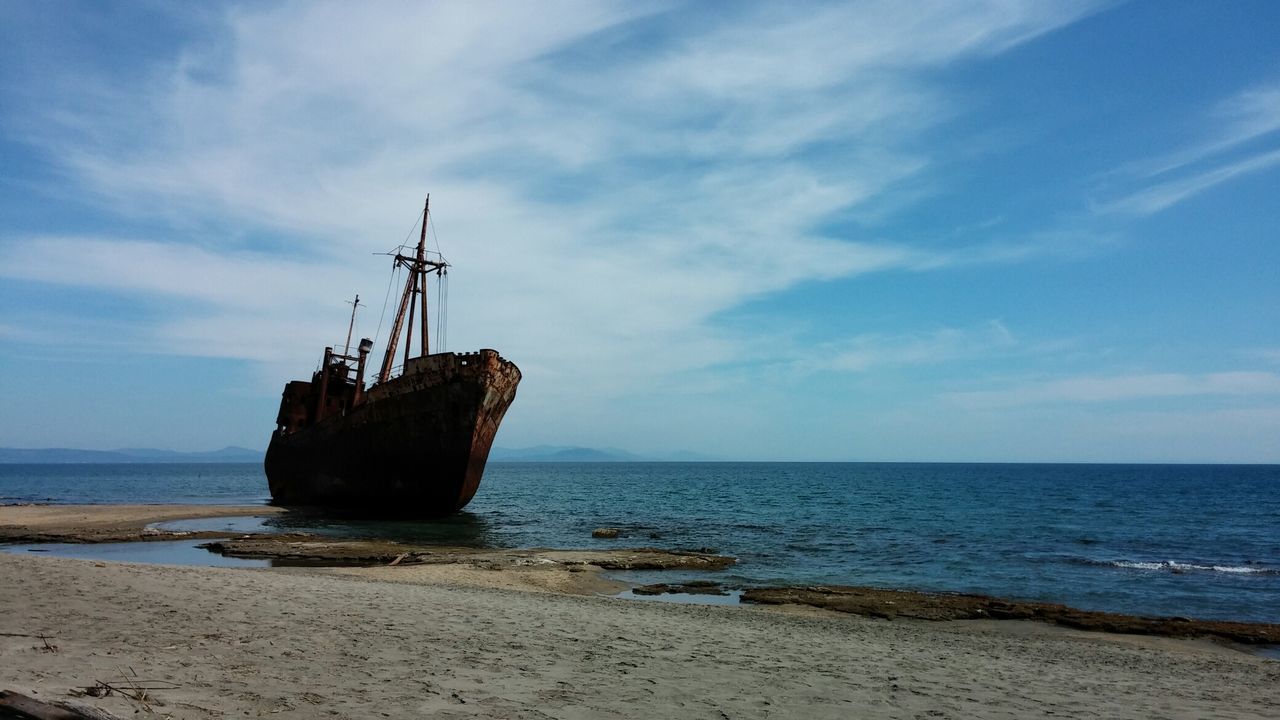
{"type": "Point", "coordinates": [414, 442]}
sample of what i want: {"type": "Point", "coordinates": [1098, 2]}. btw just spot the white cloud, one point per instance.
{"type": "Point", "coordinates": [1246, 116]}
{"type": "Point", "coordinates": [228, 280]}
{"type": "Point", "coordinates": [606, 177]}
{"type": "Point", "coordinates": [1162, 196]}
{"type": "Point", "coordinates": [1119, 388]}
{"type": "Point", "coordinates": [866, 352]}
{"type": "Point", "coordinates": [1240, 123]}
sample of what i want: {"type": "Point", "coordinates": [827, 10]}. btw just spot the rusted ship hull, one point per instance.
{"type": "Point", "coordinates": [412, 446]}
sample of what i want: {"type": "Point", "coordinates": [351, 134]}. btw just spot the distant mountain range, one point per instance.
{"type": "Point", "coordinates": [559, 453]}
{"type": "Point", "coordinates": [127, 455]}
{"type": "Point", "coordinates": [540, 453]}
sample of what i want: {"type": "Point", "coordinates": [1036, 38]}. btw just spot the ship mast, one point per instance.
{"type": "Point", "coordinates": [416, 283]}
{"type": "Point", "coordinates": [352, 325]}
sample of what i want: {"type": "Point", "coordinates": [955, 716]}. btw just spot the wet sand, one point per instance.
{"type": "Point", "coordinates": [526, 634]}
{"type": "Point", "coordinates": [109, 523]}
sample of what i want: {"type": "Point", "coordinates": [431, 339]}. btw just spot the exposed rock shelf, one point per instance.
{"type": "Point", "coordinates": [875, 602]}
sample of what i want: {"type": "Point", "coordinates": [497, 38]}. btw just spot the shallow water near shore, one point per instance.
{"type": "Point", "coordinates": [733, 597]}
{"type": "Point", "coordinates": [162, 552]}
{"type": "Point", "coordinates": [1197, 541]}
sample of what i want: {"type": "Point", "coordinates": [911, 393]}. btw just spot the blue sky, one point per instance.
{"type": "Point", "coordinates": [989, 231]}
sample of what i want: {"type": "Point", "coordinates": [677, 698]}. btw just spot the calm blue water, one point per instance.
{"type": "Point", "coordinates": [195, 483]}
{"type": "Point", "coordinates": [1200, 541]}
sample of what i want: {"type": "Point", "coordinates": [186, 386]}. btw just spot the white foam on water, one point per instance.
{"type": "Point", "coordinates": [1175, 566]}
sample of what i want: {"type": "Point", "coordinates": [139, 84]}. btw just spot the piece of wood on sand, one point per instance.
{"type": "Point", "coordinates": [17, 705]}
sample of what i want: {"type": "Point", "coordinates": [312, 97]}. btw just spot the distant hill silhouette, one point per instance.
{"type": "Point", "coordinates": [127, 455]}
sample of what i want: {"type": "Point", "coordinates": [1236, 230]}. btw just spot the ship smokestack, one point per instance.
{"type": "Point", "coordinates": [366, 345]}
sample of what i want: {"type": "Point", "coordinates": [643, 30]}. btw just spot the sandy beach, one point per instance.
{"type": "Point", "coordinates": [318, 642]}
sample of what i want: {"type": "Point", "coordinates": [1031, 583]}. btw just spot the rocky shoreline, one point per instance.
{"type": "Point", "coordinates": [892, 604]}
{"type": "Point", "coordinates": [318, 550]}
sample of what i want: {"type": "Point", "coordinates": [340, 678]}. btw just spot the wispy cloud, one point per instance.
{"type": "Point", "coordinates": [866, 352]}
{"type": "Point", "coordinates": [1241, 141]}
{"type": "Point", "coordinates": [607, 177]}
{"type": "Point", "coordinates": [644, 205]}
{"type": "Point", "coordinates": [1161, 196]}
{"type": "Point", "coordinates": [1250, 114]}
{"type": "Point", "coordinates": [219, 296]}
{"type": "Point", "coordinates": [1118, 388]}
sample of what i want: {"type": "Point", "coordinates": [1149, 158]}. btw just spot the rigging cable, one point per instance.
{"type": "Point", "coordinates": [442, 309]}
{"type": "Point", "coordinates": [432, 226]}
{"type": "Point", "coordinates": [409, 236]}
{"type": "Point", "coordinates": [442, 291]}
{"type": "Point", "coordinates": [394, 273]}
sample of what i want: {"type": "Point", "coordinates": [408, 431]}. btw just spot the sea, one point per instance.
{"type": "Point", "coordinates": [1199, 541]}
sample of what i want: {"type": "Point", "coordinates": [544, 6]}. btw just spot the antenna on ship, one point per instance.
{"type": "Point", "coordinates": [354, 304]}
{"type": "Point", "coordinates": [415, 284]}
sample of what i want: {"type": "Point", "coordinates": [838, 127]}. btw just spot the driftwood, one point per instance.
{"type": "Point", "coordinates": [130, 687]}
{"type": "Point", "coordinates": [19, 706]}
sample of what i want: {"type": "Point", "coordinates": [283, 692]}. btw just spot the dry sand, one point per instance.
{"type": "Point", "coordinates": [314, 643]}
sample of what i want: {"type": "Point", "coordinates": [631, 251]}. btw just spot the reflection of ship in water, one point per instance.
{"type": "Point", "coordinates": [413, 444]}
{"type": "Point", "coordinates": [460, 529]}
